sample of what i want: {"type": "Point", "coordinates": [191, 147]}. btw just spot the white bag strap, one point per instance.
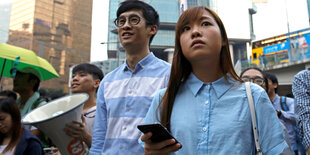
{"type": "Point", "coordinates": [253, 116]}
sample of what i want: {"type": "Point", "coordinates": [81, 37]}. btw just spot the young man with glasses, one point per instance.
{"type": "Point", "coordinates": [124, 96]}
{"type": "Point", "coordinates": [256, 75]}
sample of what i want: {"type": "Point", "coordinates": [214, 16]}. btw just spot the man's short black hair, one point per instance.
{"type": "Point", "coordinates": [8, 93]}
{"type": "Point", "coordinates": [95, 71]}
{"type": "Point", "coordinates": [273, 78]}
{"type": "Point", "coordinates": [149, 13]}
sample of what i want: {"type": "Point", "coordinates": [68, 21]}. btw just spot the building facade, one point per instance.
{"type": "Point", "coordinates": [57, 30]}
{"type": "Point", "coordinates": [4, 21]}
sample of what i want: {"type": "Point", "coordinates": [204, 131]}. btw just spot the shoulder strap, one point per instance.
{"type": "Point", "coordinates": [253, 117]}
{"type": "Point", "coordinates": [283, 103]}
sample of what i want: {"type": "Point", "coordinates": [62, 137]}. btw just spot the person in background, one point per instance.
{"type": "Point", "coordinates": [284, 107]}
{"type": "Point", "coordinates": [125, 94]}
{"type": "Point", "coordinates": [255, 75]}
{"type": "Point", "coordinates": [8, 93]}
{"type": "Point", "coordinates": [259, 77]}
{"type": "Point", "coordinates": [204, 86]}
{"type": "Point", "coordinates": [301, 92]}
{"type": "Point", "coordinates": [26, 83]}
{"type": "Point", "coordinates": [13, 138]}
{"type": "Point", "coordinates": [85, 79]}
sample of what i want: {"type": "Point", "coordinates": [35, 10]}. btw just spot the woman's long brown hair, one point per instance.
{"type": "Point", "coordinates": [8, 105]}
{"type": "Point", "coordinates": [181, 67]}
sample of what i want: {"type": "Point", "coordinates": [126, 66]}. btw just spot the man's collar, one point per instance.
{"type": "Point", "coordinates": [142, 63]}
{"type": "Point", "coordinates": [277, 97]}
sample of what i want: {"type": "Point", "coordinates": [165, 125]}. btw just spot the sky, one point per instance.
{"type": "Point", "coordinates": [99, 30]}
{"type": "Point", "coordinates": [4, 20]}
{"type": "Point", "coordinates": [270, 20]}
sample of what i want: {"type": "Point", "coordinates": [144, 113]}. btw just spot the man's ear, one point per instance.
{"type": "Point", "coordinates": [97, 83]}
{"type": "Point", "coordinates": [153, 29]}
{"type": "Point", "coordinates": [275, 85]}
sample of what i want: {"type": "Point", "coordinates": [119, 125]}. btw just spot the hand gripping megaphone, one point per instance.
{"type": "Point", "coordinates": [52, 117]}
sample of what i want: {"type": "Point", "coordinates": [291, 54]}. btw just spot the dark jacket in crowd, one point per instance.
{"type": "Point", "coordinates": [29, 144]}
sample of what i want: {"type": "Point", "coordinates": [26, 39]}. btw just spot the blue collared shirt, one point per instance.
{"type": "Point", "coordinates": [287, 117]}
{"type": "Point", "coordinates": [301, 91]}
{"type": "Point", "coordinates": [123, 99]}
{"type": "Point", "coordinates": [215, 118]}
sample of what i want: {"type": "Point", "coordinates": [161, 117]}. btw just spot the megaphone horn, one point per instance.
{"type": "Point", "coordinates": [52, 117]}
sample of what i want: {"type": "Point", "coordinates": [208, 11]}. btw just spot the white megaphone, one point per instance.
{"type": "Point", "coordinates": [52, 117]}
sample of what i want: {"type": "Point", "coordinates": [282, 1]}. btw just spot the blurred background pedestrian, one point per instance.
{"type": "Point", "coordinates": [13, 138]}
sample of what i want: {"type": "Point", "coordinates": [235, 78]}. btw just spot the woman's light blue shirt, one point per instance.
{"type": "Point", "coordinates": [214, 118]}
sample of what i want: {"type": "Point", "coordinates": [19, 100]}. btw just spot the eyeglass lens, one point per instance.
{"type": "Point", "coordinates": [133, 20]}
{"type": "Point", "coordinates": [256, 80]}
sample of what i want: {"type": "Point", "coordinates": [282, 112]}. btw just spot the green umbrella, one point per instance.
{"type": "Point", "coordinates": [24, 60]}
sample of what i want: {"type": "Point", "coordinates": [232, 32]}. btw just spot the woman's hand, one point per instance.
{"type": "Point", "coordinates": [160, 148]}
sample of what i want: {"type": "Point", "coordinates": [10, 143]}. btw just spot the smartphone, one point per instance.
{"type": "Point", "coordinates": [159, 132]}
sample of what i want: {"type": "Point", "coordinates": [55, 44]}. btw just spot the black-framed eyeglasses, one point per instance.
{"type": "Point", "coordinates": [257, 80]}
{"type": "Point", "coordinates": [133, 20]}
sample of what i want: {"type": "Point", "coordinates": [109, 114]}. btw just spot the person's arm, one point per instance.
{"type": "Point", "coordinates": [160, 148]}
{"type": "Point", "coordinates": [300, 90]}
{"type": "Point", "coordinates": [290, 114]}
{"type": "Point", "coordinates": [79, 130]}
{"type": "Point", "coordinates": [271, 134]}
{"type": "Point", "coordinates": [100, 124]}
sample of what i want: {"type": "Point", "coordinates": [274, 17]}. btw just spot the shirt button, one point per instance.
{"type": "Point", "coordinates": [121, 147]}
{"type": "Point", "coordinates": [208, 86]}
{"type": "Point", "coordinates": [130, 92]}
{"type": "Point", "coordinates": [124, 128]}
{"type": "Point", "coordinates": [204, 129]}
{"type": "Point", "coordinates": [207, 102]}
{"type": "Point", "coordinates": [128, 109]}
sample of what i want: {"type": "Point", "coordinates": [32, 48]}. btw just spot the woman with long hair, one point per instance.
{"type": "Point", "coordinates": [13, 138]}
{"type": "Point", "coordinates": [205, 106]}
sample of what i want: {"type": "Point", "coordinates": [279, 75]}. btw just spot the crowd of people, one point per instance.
{"type": "Point", "coordinates": [199, 99]}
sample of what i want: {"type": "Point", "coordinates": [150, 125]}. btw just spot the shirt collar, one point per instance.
{"type": "Point", "coordinates": [276, 98]}
{"type": "Point", "coordinates": [220, 86]}
{"type": "Point", "coordinates": [142, 63]}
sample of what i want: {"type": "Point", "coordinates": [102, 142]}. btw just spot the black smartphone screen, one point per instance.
{"type": "Point", "coordinates": [159, 132]}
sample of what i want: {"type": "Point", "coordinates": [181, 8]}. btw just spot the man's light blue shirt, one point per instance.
{"type": "Point", "coordinates": [287, 117]}
{"type": "Point", "coordinates": [214, 118]}
{"type": "Point", "coordinates": [123, 99]}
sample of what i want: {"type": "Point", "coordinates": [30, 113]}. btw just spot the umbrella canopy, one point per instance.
{"type": "Point", "coordinates": [25, 61]}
